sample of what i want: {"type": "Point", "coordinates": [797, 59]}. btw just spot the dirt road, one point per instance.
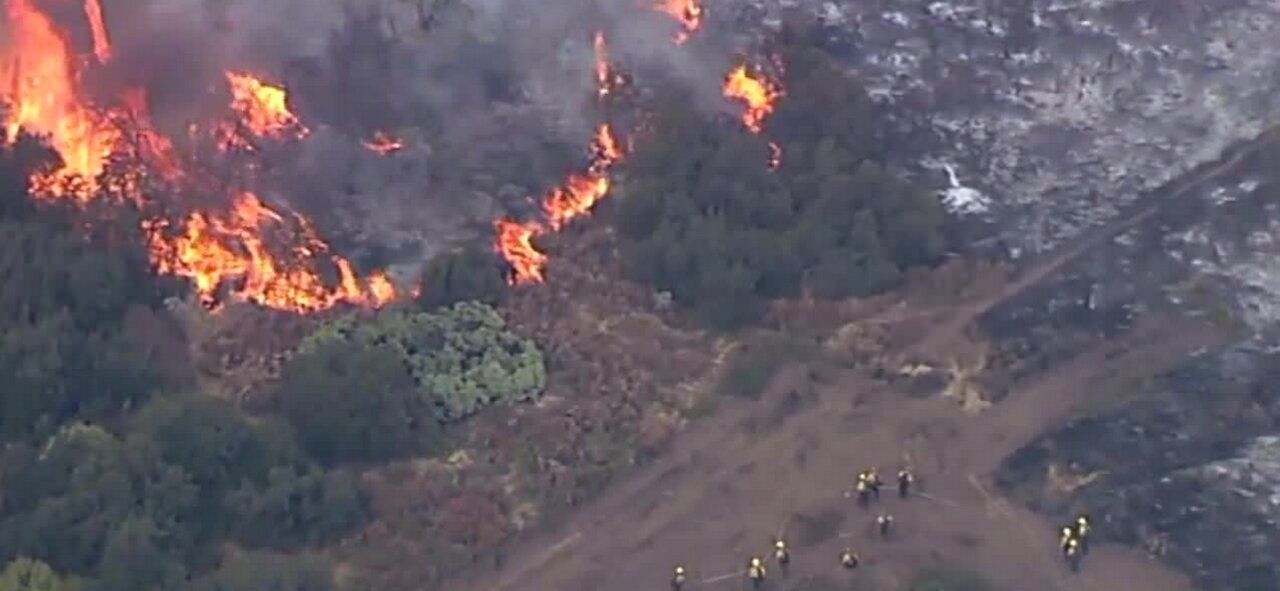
{"type": "Point", "coordinates": [782, 464]}
{"type": "Point", "coordinates": [721, 494]}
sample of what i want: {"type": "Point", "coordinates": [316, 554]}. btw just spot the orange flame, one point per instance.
{"type": "Point", "coordinates": [98, 27]}
{"type": "Point", "coordinates": [212, 250]}
{"type": "Point", "coordinates": [263, 107]}
{"type": "Point", "coordinates": [606, 79]}
{"type": "Point", "coordinates": [383, 143]}
{"type": "Point", "coordinates": [688, 12]}
{"type": "Point", "coordinates": [571, 200]}
{"type": "Point", "coordinates": [42, 99]}
{"type": "Point", "coordinates": [757, 93]}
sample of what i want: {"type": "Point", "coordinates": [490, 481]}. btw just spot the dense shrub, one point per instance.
{"type": "Point", "coordinates": [704, 218]}
{"type": "Point", "coordinates": [462, 358]}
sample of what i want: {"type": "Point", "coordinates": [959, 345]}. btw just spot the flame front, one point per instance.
{"type": "Point", "coordinates": [43, 100]}
{"type": "Point", "coordinates": [572, 199]}
{"type": "Point", "coordinates": [263, 107]}
{"type": "Point", "coordinates": [98, 28]}
{"type": "Point", "coordinates": [606, 79]}
{"type": "Point", "coordinates": [756, 92]}
{"type": "Point", "coordinates": [383, 143]}
{"type": "Point", "coordinates": [215, 250]}
{"type": "Point", "coordinates": [688, 12]}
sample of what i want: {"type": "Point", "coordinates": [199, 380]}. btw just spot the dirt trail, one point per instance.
{"type": "Point", "coordinates": [742, 476]}
{"type": "Point", "coordinates": [711, 506]}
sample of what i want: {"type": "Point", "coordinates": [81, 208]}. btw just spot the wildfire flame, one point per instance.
{"type": "Point", "coordinates": [263, 107]}
{"type": "Point", "coordinates": [756, 92]}
{"type": "Point", "coordinates": [688, 12]}
{"type": "Point", "coordinates": [383, 143]}
{"type": "Point", "coordinates": [213, 249]}
{"type": "Point", "coordinates": [98, 28]}
{"type": "Point", "coordinates": [42, 99]}
{"type": "Point", "coordinates": [606, 79]}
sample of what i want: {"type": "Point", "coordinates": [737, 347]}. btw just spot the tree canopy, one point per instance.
{"type": "Point", "coordinates": [706, 219]}
{"type": "Point", "coordinates": [462, 358]}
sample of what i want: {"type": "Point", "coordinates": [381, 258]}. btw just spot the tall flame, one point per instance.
{"type": "Point", "coordinates": [213, 250]}
{"type": "Point", "coordinates": [688, 12]}
{"type": "Point", "coordinates": [98, 28]}
{"type": "Point", "coordinates": [43, 100]}
{"type": "Point", "coordinates": [756, 92]}
{"type": "Point", "coordinates": [263, 107]}
{"type": "Point", "coordinates": [606, 79]}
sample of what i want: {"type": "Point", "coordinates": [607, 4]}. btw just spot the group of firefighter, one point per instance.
{"type": "Point", "coordinates": [1074, 537]}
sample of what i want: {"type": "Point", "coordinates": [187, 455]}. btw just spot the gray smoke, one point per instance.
{"type": "Point", "coordinates": [494, 100]}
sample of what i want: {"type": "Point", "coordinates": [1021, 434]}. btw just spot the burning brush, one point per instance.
{"type": "Point", "coordinates": [213, 249]}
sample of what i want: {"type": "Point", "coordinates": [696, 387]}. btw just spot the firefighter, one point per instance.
{"type": "Point", "coordinates": [755, 571]}
{"type": "Point", "coordinates": [873, 482]}
{"type": "Point", "coordinates": [905, 479]}
{"type": "Point", "coordinates": [782, 555]}
{"type": "Point", "coordinates": [677, 579]}
{"type": "Point", "coordinates": [849, 559]}
{"type": "Point", "coordinates": [1065, 535]}
{"type": "Point", "coordinates": [883, 523]}
{"type": "Point", "coordinates": [863, 488]}
{"type": "Point", "coordinates": [1083, 530]}
{"type": "Point", "coordinates": [1071, 553]}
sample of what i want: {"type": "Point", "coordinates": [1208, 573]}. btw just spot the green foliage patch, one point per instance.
{"type": "Point", "coordinates": [462, 358]}
{"type": "Point", "coordinates": [705, 219]}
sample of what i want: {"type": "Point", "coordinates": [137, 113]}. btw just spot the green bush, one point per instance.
{"type": "Point", "coordinates": [462, 358]}
{"type": "Point", "coordinates": [473, 274]}
{"type": "Point", "coordinates": [705, 219]}
{"type": "Point", "coordinates": [352, 401]}
{"type": "Point", "coordinates": [25, 574]}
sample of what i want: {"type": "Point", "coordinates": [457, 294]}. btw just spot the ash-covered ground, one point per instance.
{"type": "Point", "coordinates": [1041, 120]}
{"type": "Point", "coordinates": [1059, 112]}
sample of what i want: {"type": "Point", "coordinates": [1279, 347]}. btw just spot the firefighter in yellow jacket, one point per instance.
{"type": "Point", "coordinates": [782, 554]}
{"type": "Point", "coordinates": [905, 480]}
{"type": "Point", "coordinates": [1083, 530]}
{"type": "Point", "coordinates": [1071, 553]}
{"type": "Point", "coordinates": [863, 489]}
{"type": "Point", "coordinates": [1065, 535]}
{"type": "Point", "coordinates": [677, 578]}
{"type": "Point", "coordinates": [849, 559]}
{"type": "Point", "coordinates": [756, 572]}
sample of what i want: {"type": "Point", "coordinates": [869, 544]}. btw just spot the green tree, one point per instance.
{"type": "Point", "coordinates": [351, 401]}
{"type": "Point", "coordinates": [298, 507]}
{"type": "Point", "coordinates": [136, 559]}
{"type": "Point", "coordinates": [705, 219]}
{"type": "Point", "coordinates": [216, 448]}
{"type": "Point", "coordinates": [63, 502]}
{"type": "Point", "coordinates": [472, 274]}
{"type": "Point", "coordinates": [461, 358]}
{"type": "Point", "coordinates": [25, 574]}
